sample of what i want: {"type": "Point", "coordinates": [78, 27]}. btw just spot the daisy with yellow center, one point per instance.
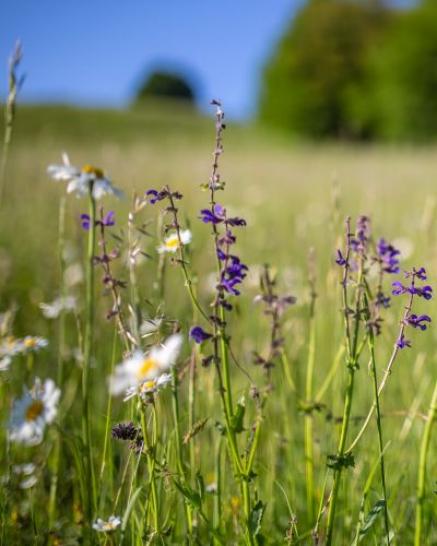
{"type": "Point", "coordinates": [136, 374]}
{"type": "Point", "coordinates": [80, 181]}
{"type": "Point", "coordinates": [32, 412]}
{"type": "Point", "coordinates": [171, 243]}
{"type": "Point", "coordinates": [107, 526]}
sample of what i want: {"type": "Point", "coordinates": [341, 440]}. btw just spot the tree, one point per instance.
{"type": "Point", "coordinates": [313, 82]}
{"type": "Point", "coordinates": [169, 85]}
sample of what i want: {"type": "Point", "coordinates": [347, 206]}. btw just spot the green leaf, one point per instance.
{"type": "Point", "coordinates": [256, 516]}
{"type": "Point", "coordinates": [370, 519]}
{"type": "Point", "coordinates": [238, 418]}
{"type": "Point", "coordinates": [191, 496]}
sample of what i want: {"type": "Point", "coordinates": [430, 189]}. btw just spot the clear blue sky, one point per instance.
{"type": "Point", "coordinates": [92, 52]}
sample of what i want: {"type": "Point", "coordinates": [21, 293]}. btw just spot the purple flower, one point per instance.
{"type": "Point", "coordinates": [420, 273]}
{"type": "Point", "coordinates": [388, 255]}
{"type": "Point", "coordinates": [153, 196]}
{"type": "Point", "coordinates": [382, 300]}
{"type": "Point", "coordinates": [359, 242]}
{"type": "Point", "coordinates": [398, 288]}
{"type": "Point", "coordinates": [109, 219]}
{"type": "Point", "coordinates": [340, 259]}
{"type": "Point", "coordinates": [422, 292]}
{"type": "Point", "coordinates": [403, 342]}
{"type": "Point", "coordinates": [417, 321]}
{"type": "Point", "coordinates": [198, 334]}
{"type": "Point", "coordinates": [85, 221]}
{"type": "Point", "coordinates": [215, 216]}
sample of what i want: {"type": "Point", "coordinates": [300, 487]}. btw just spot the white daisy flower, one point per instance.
{"type": "Point", "coordinates": [11, 346]}
{"type": "Point", "coordinates": [148, 387]}
{"type": "Point", "coordinates": [32, 412]}
{"type": "Point", "coordinates": [107, 526]}
{"type": "Point", "coordinates": [140, 367]}
{"type": "Point", "coordinates": [80, 180]}
{"type": "Point", "coordinates": [53, 310]}
{"type": "Point", "coordinates": [171, 242]}
{"type": "Point", "coordinates": [31, 344]}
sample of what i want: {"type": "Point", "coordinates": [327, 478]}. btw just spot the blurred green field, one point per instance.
{"type": "Point", "coordinates": [295, 196]}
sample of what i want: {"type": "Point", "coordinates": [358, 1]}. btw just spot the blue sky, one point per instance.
{"type": "Point", "coordinates": [92, 52]}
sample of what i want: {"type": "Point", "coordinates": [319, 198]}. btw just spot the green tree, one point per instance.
{"type": "Point", "coordinates": [405, 70]}
{"type": "Point", "coordinates": [166, 85]}
{"type": "Point", "coordinates": [313, 84]}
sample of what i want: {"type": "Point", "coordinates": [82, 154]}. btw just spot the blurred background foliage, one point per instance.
{"type": "Point", "coordinates": [356, 70]}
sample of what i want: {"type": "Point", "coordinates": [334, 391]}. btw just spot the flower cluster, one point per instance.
{"type": "Point", "coordinates": [143, 374]}
{"type": "Point", "coordinates": [107, 526]}
{"type": "Point", "coordinates": [388, 256]}
{"type": "Point", "coordinates": [128, 432]}
{"type": "Point", "coordinates": [232, 271]}
{"type": "Point", "coordinates": [11, 347]}
{"type": "Point", "coordinates": [411, 319]}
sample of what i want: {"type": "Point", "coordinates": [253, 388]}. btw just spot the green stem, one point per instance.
{"type": "Point", "coordinates": [150, 455]}
{"type": "Point", "coordinates": [308, 421]}
{"type": "Point", "coordinates": [179, 457]}
{"type": "Point", "coordinates": [60, 374]}
{"type": "Point", "coordinates": [421, 474]}
{"type": "Point", "coordinates": [380, 437]}
{"type": "Point", "coordinates": [87, 354]}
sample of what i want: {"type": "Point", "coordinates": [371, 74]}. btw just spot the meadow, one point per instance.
{"type": "Point", "coordinates": [242, 445]}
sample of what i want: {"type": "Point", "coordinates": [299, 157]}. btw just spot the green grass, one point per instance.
{"type": "Point", "coordinates": [294, 196]}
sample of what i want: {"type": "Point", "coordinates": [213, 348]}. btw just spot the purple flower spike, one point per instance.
{"type": "Point", "coordinates": [198, 334]}
{"type": "Point", "coordinates": [402, 342]}
{"type": "Point", "coordinates": [388, 255]}
{"type": "Point", "coordinates": [421, 274]}
{"type": "Point", "coordinates": [340, 259]}
{"type": "Point", "coordinates": [417, 321]}
{"type": "Point", "coordinates": [85, 221]}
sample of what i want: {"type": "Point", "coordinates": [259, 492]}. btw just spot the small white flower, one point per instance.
{"type": "Point", "coordinates": [148, 387]}
{"type": "Point", "coordinates": [80, 180]}
{"type": "Point", "coordinates": [140, 367]}
{"type": "Point", "coordinates": [31, 344]}
{"type": "Point", "coordinates": [29, 482]}
{"type": "Point", "coordinates": [32, 412]}
{"type": "Point", "coordinates": [171, 242]}
{"type": "Point", "coordinates": [25, 469]}
{"type": "Point", "coordinates": [107, 526]}
{"type": "Point", "coordinates": [53, 310]}
{"type": "Point", "coordinates": [150, 326]}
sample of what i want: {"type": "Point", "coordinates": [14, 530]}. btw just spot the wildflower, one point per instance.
{"type": "Point", "coordinates": [108, 220]}
{"type": "Point", "coordinates": [80, 181]}
{"type": "Point", "coordinates": [361, 239]}
{"type": "Point", "coordinates": [107, 526]}
{"type": "Point", "coordinates": [32, 344]}
{"type": "Point", "coordinates": [172, 243]}
{"type": "Point", "coordinates": [149, 387]}
{"type": "Point", "coordinates": [388, 256]}
{"type": "Point", "coordinates": [340, 259]}
{"type": "Point", "coordinates": [402, 342]}
{"type": "Point", "coordinates": [198, 334]}
{"type": "Point", "coordinates": [33, 411]}
{"type": "Point", "coordinates": [418, 321]}
{"type": "Point", "coordinates": [54, 309]}
{"type": "Point", "coordinates": [382, 300]}
{"type": "Point", "coordinates": [26, 472]}
{"type": "Point", "coordinates": [5, 363]}
{"type": "Point", "coordinates": [125, 431]}
{"type": "Point", "coordinates": [215, 216]}
{"type": "Point", "coordinates": [140, 367]}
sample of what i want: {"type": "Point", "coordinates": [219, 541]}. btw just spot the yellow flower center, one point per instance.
{"type": "Point", "coordinates": [147, 366]}
{"type": "Point", "coordinates": [89, 169]}
{"type": "Point", "coordinates": [34, 410]}
{"type": "Point", "coordinates": [235, 503]}
{"type": "Point", "coordinates": [30, 342]}
{"type": "Point", "coordinates": [172, 242]}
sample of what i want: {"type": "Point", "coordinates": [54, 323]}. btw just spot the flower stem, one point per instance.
{"type": "Point", "coordinates": [87, 353]}
{"type": "Point", "coordinates": [421, 474]}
